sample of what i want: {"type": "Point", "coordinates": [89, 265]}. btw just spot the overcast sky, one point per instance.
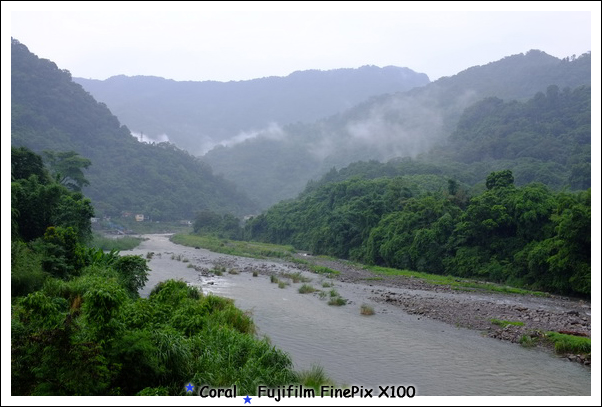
{"type": "Point", "coordinates": [226, 41]}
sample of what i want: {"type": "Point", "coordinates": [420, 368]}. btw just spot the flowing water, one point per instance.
{"type": "Point", "coordinates": [388, 348]}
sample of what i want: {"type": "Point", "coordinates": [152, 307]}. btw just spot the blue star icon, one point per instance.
{"type": "Point", "coordinates": [247, 399]}
{"type": "Point", "coordinates": [190, 387]}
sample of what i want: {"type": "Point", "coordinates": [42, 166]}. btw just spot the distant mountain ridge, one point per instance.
{"type": "Point", "coordinates": [198, 115]}
{"type": "Point", "coordinates": [405, 124]}
{"type": "Point", "coordinates": [51, 112]}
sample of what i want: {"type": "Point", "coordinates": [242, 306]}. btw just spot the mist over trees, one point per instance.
{"type": "Point", "coordinates": [196, 116]}
{"type": "Point", "coordinates": [49, 112]}
{"type": "Point", "coordinates": [409, 125]}
{"type": "Point", "coordinates": [277, 134]}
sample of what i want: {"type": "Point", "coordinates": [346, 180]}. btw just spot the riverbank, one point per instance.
{"type": "Point", "coordinates": [389, 347]}
{"type": "Point", "coordinates": [518, 318]}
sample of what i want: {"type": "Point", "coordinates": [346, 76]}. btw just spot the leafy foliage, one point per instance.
{"type": "Point", "coordinates": [524, 236]}
{"type": "Point", "coordinates": [224, 226]}
{"type": "Point", "coordinates": [67, 168]}
{"type": "Point", "coordinates": [133, 271]}
{"type": "Point", "coordinates": [90, 337]}
{"type": "Point", "coordinates": [79, 327]}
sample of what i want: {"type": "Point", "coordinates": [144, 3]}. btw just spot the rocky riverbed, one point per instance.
{"type": "Point", "coordinates": [488, 312]}
{"type": "Point", "coordinates": [531, 315]}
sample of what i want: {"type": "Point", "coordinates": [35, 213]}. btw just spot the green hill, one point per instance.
{"type": "Point", "coordinates": [197, 115]}
{"type": "Point", "coordinates": [51, 112]}
{"type": "Point", "coordinates": [405, 125]}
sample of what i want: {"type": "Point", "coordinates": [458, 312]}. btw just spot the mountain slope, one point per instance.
{"type": "Point", "coordinates": [51, 112]}
{"type": "Point", "coordinates": [198, 115]}
{"type": "Point", "coordinates": [404, 124]}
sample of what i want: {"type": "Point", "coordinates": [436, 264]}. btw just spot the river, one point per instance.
{"type": "Point", "coordinates": [390, 347]}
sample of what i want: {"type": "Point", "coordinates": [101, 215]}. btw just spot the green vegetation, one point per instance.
{"type": "Point", "coordinates": [314, 378]}
{"type": "Point", "coordinates": [456, 283]}
{"type": "Point", "coordinates": [338, 300]}
{"type": "Point", "coordinates": [524, 238]}
{"type": "Point", "coordinates": [564, 343]}
{"type": "Point", "coordinates": [322, 270]}
{"type": "Point", "coordinates": [335, 298]}
{"type": "Point", "coordinates": [296, 277]}
{"type": "Point", "coordinates": [387, 127]}
{"type": "Point", "coordinates": [366, 309]}
{"type": "Point", "coordinates": [117, 243]}
{"type": "Point", "coordinates": [79, 327]}
{"type": "Point", "coordinates": [218, 270]}
{"type": "Point", "coordinates": [306, 288]}
{"type": "Point", "coordinates": [233, 247]}
{"type": "Point", "coordinates": [503, 323]}
{"type": "Point", "coordinates": [49, 112]}
{"type": "Point", "coordinates": [528, 341]}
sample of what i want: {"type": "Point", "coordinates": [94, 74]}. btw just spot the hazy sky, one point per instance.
{"type": "Point", "coordinates": [244, 40]}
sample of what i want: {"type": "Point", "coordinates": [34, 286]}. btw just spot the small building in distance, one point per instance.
{"type": "Point", "coordinates": [139, 217]}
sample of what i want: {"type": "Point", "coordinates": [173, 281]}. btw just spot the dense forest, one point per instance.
{"type": "Point", "coordinates": [544, 139]}
{"type": "Point", "coordinates": [196, 116]}
{"type": "Point", "coordinates": [406, 125]}
{"type": "Point", "coordinates": [79, 327]}
{"type": "Point", "coordinates": [525, 236]}
{"type": "Point", "coordinates": [495, 203]}
{"type": "Point", "coordinates": [49, 112]}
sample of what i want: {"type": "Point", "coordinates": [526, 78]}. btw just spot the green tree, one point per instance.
{"type": "Point", "coordinates": [207, 221]}
{"type": "Point", "coordinates": [24, 163]}
{"type": "Point", "coordinates": [500, 179]}
{"type": "Point", "coordinates": [67, 168]}
{"type": "Point", "coordinates": [133, 271]}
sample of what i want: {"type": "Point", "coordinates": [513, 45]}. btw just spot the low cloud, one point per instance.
{"type": "Point", "coordinates": [144, 138]}
{"type": "Point", "coordinates": [273, 132]}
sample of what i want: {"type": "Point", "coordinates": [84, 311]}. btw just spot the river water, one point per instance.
{"type": "Point", "coordinates": [387, 348]}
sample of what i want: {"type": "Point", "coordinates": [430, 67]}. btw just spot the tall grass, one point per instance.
{"type": "Point", "coordinates": [503, 323]}
{"type": "Point", "coordinates": [234, 247]}
{"type": "Point", "coordinates": [314, 378]}
{"type": "Point", "coordinates": [306, 289]}
{"type": "Point", "coordinates": [338, 300]}
{"type": "Point", "coordinates": [366, 309]}
{"type": "Point", "coordinates": [455, 283]}
{"type": "Point", "coordinates": [118, 243]}
{"type": "Point", "coordinates": [564, 343]}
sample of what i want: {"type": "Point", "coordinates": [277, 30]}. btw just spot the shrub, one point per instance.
{"type": "Point", "coordinates": [306, 288]}
{"type": "Point", "coordinates": [366, 309]}
{"type": "Point", "coordinates": [337, 301]}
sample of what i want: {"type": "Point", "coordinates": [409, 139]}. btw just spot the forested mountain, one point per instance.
{"type": "Point", "coordinates": [277, 164]}
{"type": "Point", "coordinates": [525, 236]}
{"type": "Point", "coordinates": [196, 116]}
{"type": "Point", "coordinates": [51, 112]}
{"type": "Point", "coordinates": [546, 139]}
